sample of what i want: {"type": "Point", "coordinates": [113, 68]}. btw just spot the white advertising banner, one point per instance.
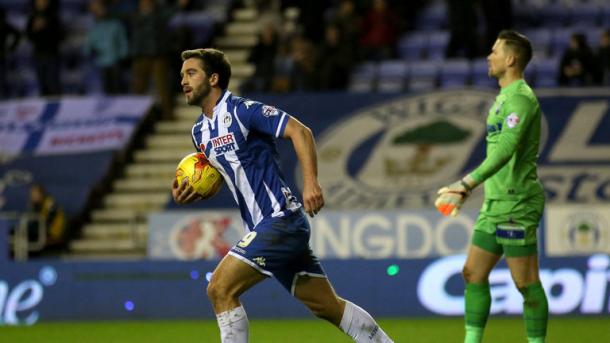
{"type": "Point", "coordinates": [577, 229]}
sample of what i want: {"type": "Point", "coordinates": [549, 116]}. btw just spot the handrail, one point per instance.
{"type": "Point", "coordinates": [21, 244]}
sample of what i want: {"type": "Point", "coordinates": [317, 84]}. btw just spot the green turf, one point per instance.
{"type": "Point", "coordinates": [433, 330]}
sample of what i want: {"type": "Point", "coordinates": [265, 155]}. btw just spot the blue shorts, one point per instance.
{"type": "Point", "coordinates": [279, 247]}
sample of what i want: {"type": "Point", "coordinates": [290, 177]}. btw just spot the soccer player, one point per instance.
{"type": "Point", "coordinates": [514, 197]}
{"type": "Point", "coordinates": [238, 137]}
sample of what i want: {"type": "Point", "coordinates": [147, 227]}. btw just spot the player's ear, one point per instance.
{"type": "Point", "coordinates": [511, 60]}
{"type": "Point", "coordinates": [213, 80]}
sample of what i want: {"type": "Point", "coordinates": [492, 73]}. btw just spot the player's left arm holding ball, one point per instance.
{"type": "Point", "coordinates": [305, 148]}
{"type": "Point", "coordinates": [451, 198]}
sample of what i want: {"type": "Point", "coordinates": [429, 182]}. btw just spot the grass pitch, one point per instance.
{"type": "Point", "coordinates": [431, 330]}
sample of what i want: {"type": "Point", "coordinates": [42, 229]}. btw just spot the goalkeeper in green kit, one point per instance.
{"type": "Point", "coordinates": [514, 197]}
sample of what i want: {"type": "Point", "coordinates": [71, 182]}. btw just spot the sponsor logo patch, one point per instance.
{"type": "Point", "coordinates": [270, 111]}
{"type": "Point", "coordinates": [512, 120]}
{"type": "Point", "coordinates": [224, 144]}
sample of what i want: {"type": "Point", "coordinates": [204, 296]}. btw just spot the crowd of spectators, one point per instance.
{"type": "Point", "coordinates": [129, 43]}
{"type": "Point", "coordinates": [132, 48]}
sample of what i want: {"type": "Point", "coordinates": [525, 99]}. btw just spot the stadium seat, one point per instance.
{"type": "Point", "coordinates": [454, 73]}
{"type": "Point", "coordinates": [478, 74]}
{"type": "Point", "coordinates": [363, 78]}
{"type": "Point", "coordinates": [392, 76]}
{"type": "Point", "coordinates": [554, 15]}
{"type": "Point", "coordinates": [200, 24]}
{"type": "Point", "coordinates": [585, 14]}
{"type": "Point", "coordinates": [423, 75]}
{"type": "Point", "coordinates": [412, 46]}
{"type": "Point", "coordinates": [560, 40]}
{"type": "Point", "coordinates": [433, 17]}
{"type": "Point", "coordinates": [541, 41]}
{"type": "Point", "coordinates": [437, 45]}
{"type": "Point", "coordinates": [21, 6]}
{"type": "Point", "coordinates": [546, 72]}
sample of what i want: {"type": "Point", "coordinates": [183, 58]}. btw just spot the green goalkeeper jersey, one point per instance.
{"type": "Point", "coordinates": [513, 137]}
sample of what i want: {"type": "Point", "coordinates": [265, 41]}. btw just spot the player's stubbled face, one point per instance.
{"type": "Point", "coordinates": [195, 84]}
{"type": "Point", "coordinates": [496, 60]}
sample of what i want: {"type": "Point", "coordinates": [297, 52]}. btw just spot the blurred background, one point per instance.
{"type": "Point", "coordinates": [92, 126]}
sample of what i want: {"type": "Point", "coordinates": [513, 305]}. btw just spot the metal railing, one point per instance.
{"type": "Point", "coordinates": [20, 242]}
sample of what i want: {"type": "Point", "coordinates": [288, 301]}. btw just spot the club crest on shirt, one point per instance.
{"type": "Point", "coordinates": [512, 120]}
{"type": "Point", "coordinates": [270, 111]}
{"type": "Point", "coordinates": [227, 119]}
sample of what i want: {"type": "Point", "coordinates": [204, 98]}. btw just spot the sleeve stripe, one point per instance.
{"type": "Point", "coordinates": [280, 127]}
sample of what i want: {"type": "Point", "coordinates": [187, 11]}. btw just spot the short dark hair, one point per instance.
{"type": "Point", "coordinates": [519, 44]}
{"type": "Point", "coordinates": [213, 61]}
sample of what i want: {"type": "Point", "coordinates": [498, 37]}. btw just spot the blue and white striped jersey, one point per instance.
{"type": "Point", "coordinates": [240, 142]}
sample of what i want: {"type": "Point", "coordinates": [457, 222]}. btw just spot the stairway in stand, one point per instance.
{"type": "Point", "coordinates": [119, 228]}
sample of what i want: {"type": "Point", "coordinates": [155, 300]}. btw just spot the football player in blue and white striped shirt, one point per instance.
{"type": "Point", "coordinates": [238, 137]}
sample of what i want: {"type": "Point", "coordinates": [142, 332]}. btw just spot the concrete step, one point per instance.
{"type": "Point", "coordinates": [242, 70]}
{"type": "Point", "coordinates": [104, 246]}
{"type": "Point", "coordinates": [165, 155]}
{"type": "Point", "coordinates": [121, 215]}
{"type": "Point", "coordinates": [105, 231]}
{"type": "Point", "coordinates": [245, 14]}
{"type": "Point", "coordinates": [187, 113]}
{"type": "Point", "coordinates": [233, 42]}
{"type": "Point", "coordinates": [136, 200]}
{"type": "Point", "coordinates": [144, 185]}
{"type": "Point", "coordinates": [181, 126]}
{"type": "Point", "coordinates": [237, 56]}
{"type": "Point", "coordinates": [238, 28]}
{"type": "Point", "coordinates": [151, 169]}
{"type": "Point", "coordinates": [174, 141]}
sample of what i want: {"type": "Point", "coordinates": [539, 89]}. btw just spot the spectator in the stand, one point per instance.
{"type": "Point", "coordinates": [150, 45]}
{"type": "Point", "coordinates": [9, 38]}
{"type": "Point", "coordinates": [498, 16]}
{"type": "Point", "coordinates": [262, 56]}
{"type": "Point", "coordinates": [107, 44]}
{"type": "Point", "coordinates": [335, 60]}
{"type": "Point", "coordinates": [462, 29]}
{"type": "Point", "coordinates": [304, 76]}
{"type": "Point", "coordinates": [45, 31]}
{"type": "Point", "coordinates": [577, 66]}
{"type": "Point", "coordinates": [603, 58]}
{"type": "Point", "coordinates": [379, 31]}
{"type": "Point", "coordinates": [43, 204]}
{"type": "Point", "coordinates": [348, 22]}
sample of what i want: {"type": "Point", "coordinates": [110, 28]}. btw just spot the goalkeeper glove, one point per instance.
{"type": "Point", "coordinates": [451, 198]}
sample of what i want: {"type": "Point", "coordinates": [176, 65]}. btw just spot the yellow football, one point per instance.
{"type": "Point", "coordinates": [201, 175]}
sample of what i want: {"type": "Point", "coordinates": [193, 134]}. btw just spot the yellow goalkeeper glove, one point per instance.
{"type": "Point", "coordinates": [451, 198]}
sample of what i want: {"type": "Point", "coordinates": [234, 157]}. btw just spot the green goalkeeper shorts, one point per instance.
{"type": "Point", "coordinates": [509, 226]}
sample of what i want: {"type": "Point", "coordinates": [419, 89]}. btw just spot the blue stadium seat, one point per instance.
{"type": "Point", "coordinates": [530, 70]}
{"type": "Point", "coordinates": [437, 45]}
{"type": "Point", "coordinates": [546, 72]}
{"type": "Point", "coordinates": [20, 6]}
{"type": "Point", "coordinates": [560, 40]}
{"type": "Point", "coordinates": [554, 15]}
{"type": "Point", "coordinates": [454, 73]}
{"type": "Point", "coordinates": [423, 75]}
{"type": "Point", "coordinates": [363, 78]}
{"type": "Point", "coordinates": [201, 25]}
{"type": "Point", "coordinates": [478, 74]}
{"type": "Point", "coordinates": [541, 40]}
{"type": "Point", "coordinates": [433, 17]}
{"type": "Point", "coordinates": [392, 76]}
{"type": "Point", "coordinates": [412, 46]}
{"type": "Point", "coordinates": [585, 14]}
